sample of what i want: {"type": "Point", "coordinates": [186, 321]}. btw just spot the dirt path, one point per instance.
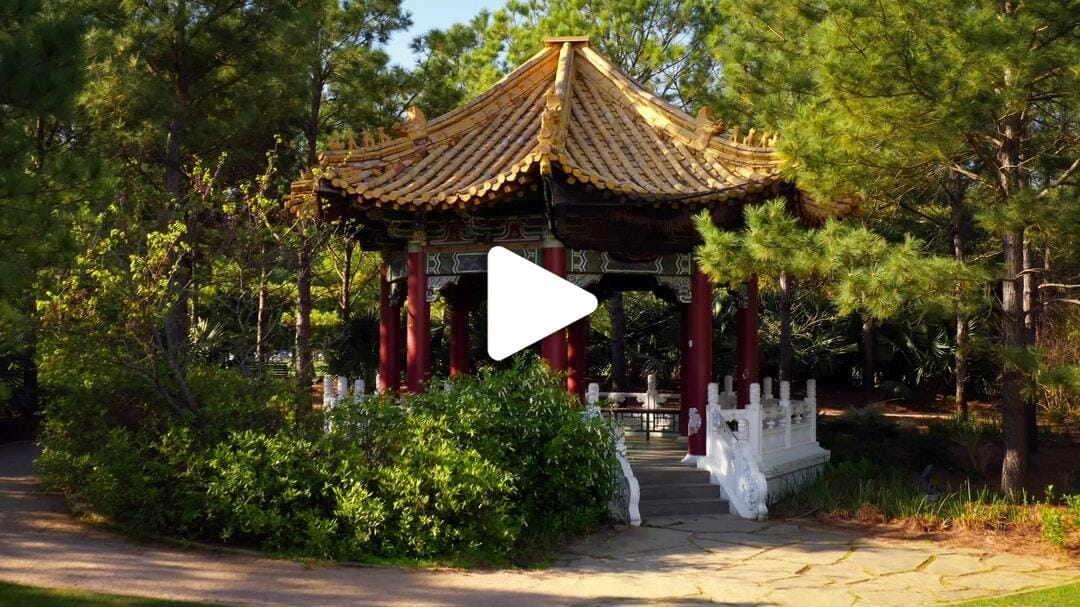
{"type": "Point", "coordinates": [694, 561]}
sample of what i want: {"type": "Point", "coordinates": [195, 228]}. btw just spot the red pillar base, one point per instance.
{"type": "Point", "coordinates": [553, 347]}
{"type": "Point", "coordinates": [389, 337]}
{"type": "Point", "coordinates": [418, 348]}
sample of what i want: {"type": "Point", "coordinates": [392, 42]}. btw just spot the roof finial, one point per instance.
{"type": "Point", "coordinates": [560, 40]}
{"type": "Point", "coordinates": [706, 127]}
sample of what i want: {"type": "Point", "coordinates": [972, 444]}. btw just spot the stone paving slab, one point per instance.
{"type": "Point", "coordinates": [678, 561]}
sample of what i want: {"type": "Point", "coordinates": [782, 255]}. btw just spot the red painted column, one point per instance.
{"type": "Point", "coordinates": [575, 356]}
{"type": "Point", "coordinates": [460, 308]}
{"type": "Point", "coordinates": [418, 347]}
{"type": "Point", "coordinates": [389, 336]}
{"type": "Point", "coordinates": [553, 347]}
{"type": "Point", "coordinates": [699, 353]}
{"type": "Point", "coordinates": [746, 344]}
{"type": "Point", "coordinates": [684, 366]}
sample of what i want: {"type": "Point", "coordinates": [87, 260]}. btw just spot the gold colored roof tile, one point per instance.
{"type": "Point", "coordinates": [566, 111]}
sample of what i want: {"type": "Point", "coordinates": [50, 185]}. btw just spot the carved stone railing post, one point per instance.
{"type": "Point", "coordinates": [729, 389]}
{"type": "Point", "coordinates": [328, 401]}
{"type": "Point", "coordinates": [712, 413]}
{"type": "Point", "coordinates": [753, 413]}
{"type": "Point", "coordinates": [328, 392]}
{"type": "Point", "coordinates": [811, 407]}
{"type": "Point", "coordinates": [633, 488]}
{"type": "Point", "coordinates": [592, 400]}
{"type": "Point", "coordinates": [650, 392]}
{"type": "Point", "coordinates": [378, 382]}
{"type": "Point", "coordinates": [766, 391]}
{"type": "Point", "coordinates": [785, 410]}
{"type": "Point", "coordinates": [342, 389]}
{"type": "Point", "coordinates": [359, 388]}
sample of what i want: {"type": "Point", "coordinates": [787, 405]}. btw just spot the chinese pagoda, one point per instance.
{"type": "Point", "coordinates": [575, 166]}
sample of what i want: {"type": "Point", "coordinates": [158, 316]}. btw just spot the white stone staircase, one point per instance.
{"type": "Point", "coordinates": [668, 486]}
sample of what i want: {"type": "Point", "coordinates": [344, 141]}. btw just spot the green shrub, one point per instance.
{"type": "Point", "coordinates": [1054, 527]}
{"type": "Point", "coordinates": [500, 464]}
{"type": "Point", "coordinates": [444, 498]}
{"type": "Point", "coordinates": [270, 490]}
{"type": "Point", "coordinates": [151, 484]}
{"type": "Point", "coordinates": [522, 420]}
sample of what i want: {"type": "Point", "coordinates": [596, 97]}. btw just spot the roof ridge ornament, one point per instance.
{"type": "Point", "coordinates": [553, 119]}
{"type": "Point", "coordinates": [705, 128]}
{"type": "Point", "coordinates": [550, 121]}
{"type": "Point", "coordinates": [415, 125]}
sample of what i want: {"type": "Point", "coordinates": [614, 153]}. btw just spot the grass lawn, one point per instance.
{"type": "Point", "coordinates": [14, 595]}
{"type": "Point", "coordinates": [1060, 596]}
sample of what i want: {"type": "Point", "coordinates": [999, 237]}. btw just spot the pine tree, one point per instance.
{"type": "Point", "coordinates": [40, 76]}
{"type": "Point", "coordinates": [172, 82]}
{"type": "Point", "coordinates": [987, 91]}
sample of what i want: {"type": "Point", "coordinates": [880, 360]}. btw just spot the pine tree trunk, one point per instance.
{"type": "Point", "coordinates": [869, 353]}
{"type": "Point", "coordinates": [302, 342]}
{"type": "Point", "coordinates": [960, 353]}
{"type": "Point", "coordinates": [787, 288]}
{"type": "Point", "coordinates": [345, 305]}
{"type": "Point", "coordinates": [176, 317]}
{"type": "Point", "coordinates": [304, 361]}
{"type": "Point", "coordinates": [1030, 282]}
{"type": "Point", "coordinates": [262, 320]}
{"type": "Point", "coordinates": [961, 365]}
{"type": "Point", "coordinates": [1014, 337]}
{"type": "Point", "coordinates": [618, 343]}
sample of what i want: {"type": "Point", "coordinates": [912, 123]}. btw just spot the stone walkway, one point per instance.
{"type": "Point", "coordinates": [699, 560]}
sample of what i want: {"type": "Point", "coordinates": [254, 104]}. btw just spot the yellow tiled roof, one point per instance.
{"type": "Point", "coordinates": [566, 110]}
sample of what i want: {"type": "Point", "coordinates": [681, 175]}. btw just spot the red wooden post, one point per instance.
{"type": "Point", "coordinates": [699, 353]}
{"type": "Point", "coordinates": [575, 357]}
{"type": "Point", "coordinates": [553, 347]}
{"type": "Point", "coordinates": [460, 308]}
{"type": "Point", "coordinates": [746, 344]}
{"type": "Point", "coordinates": [418, 347]}
{"type": "Point", "coordinates": [684, 366]}
{"type": "Point", "coordinates": [389, 336]}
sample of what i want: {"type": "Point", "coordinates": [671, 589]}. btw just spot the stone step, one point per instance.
{"type": "Point", "coordinates": [677, 474]}
{"type": "Point", "coordinates": [680, 491]}
{"type": "Point", "coordinates": [650, 452]}
{"type": "Point", "coordinates": [656, 457]}
{"type": "Point", "coordinates": [668, 507]}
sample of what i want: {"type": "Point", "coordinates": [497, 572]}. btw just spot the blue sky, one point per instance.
{"type": "Point", "coordinates": [428, 15]}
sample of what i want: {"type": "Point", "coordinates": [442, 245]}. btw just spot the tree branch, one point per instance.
{"type": "Point", "coordinates": [1061, 178]}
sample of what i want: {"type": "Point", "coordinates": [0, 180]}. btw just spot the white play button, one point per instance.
{"type": "Point", "coordinates": [526, 303]}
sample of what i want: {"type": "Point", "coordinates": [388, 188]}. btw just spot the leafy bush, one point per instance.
{"type": "Point", "coordinates": [522, 419]}
{"type": "Point", "coordinates": [501, 463]}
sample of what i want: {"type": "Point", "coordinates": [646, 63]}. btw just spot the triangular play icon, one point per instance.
{"type": "Point", "coordinates": [526, 303]}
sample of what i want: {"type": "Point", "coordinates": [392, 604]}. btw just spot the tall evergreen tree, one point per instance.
{"type": "Point", "coordinates": [172, 82]}
{"type": "Point", "coordinates": [40, 76]}
{"type": "Point", "coordinates": [338, 47]}
{"type": "Point", "coordinates": [986, 90]}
